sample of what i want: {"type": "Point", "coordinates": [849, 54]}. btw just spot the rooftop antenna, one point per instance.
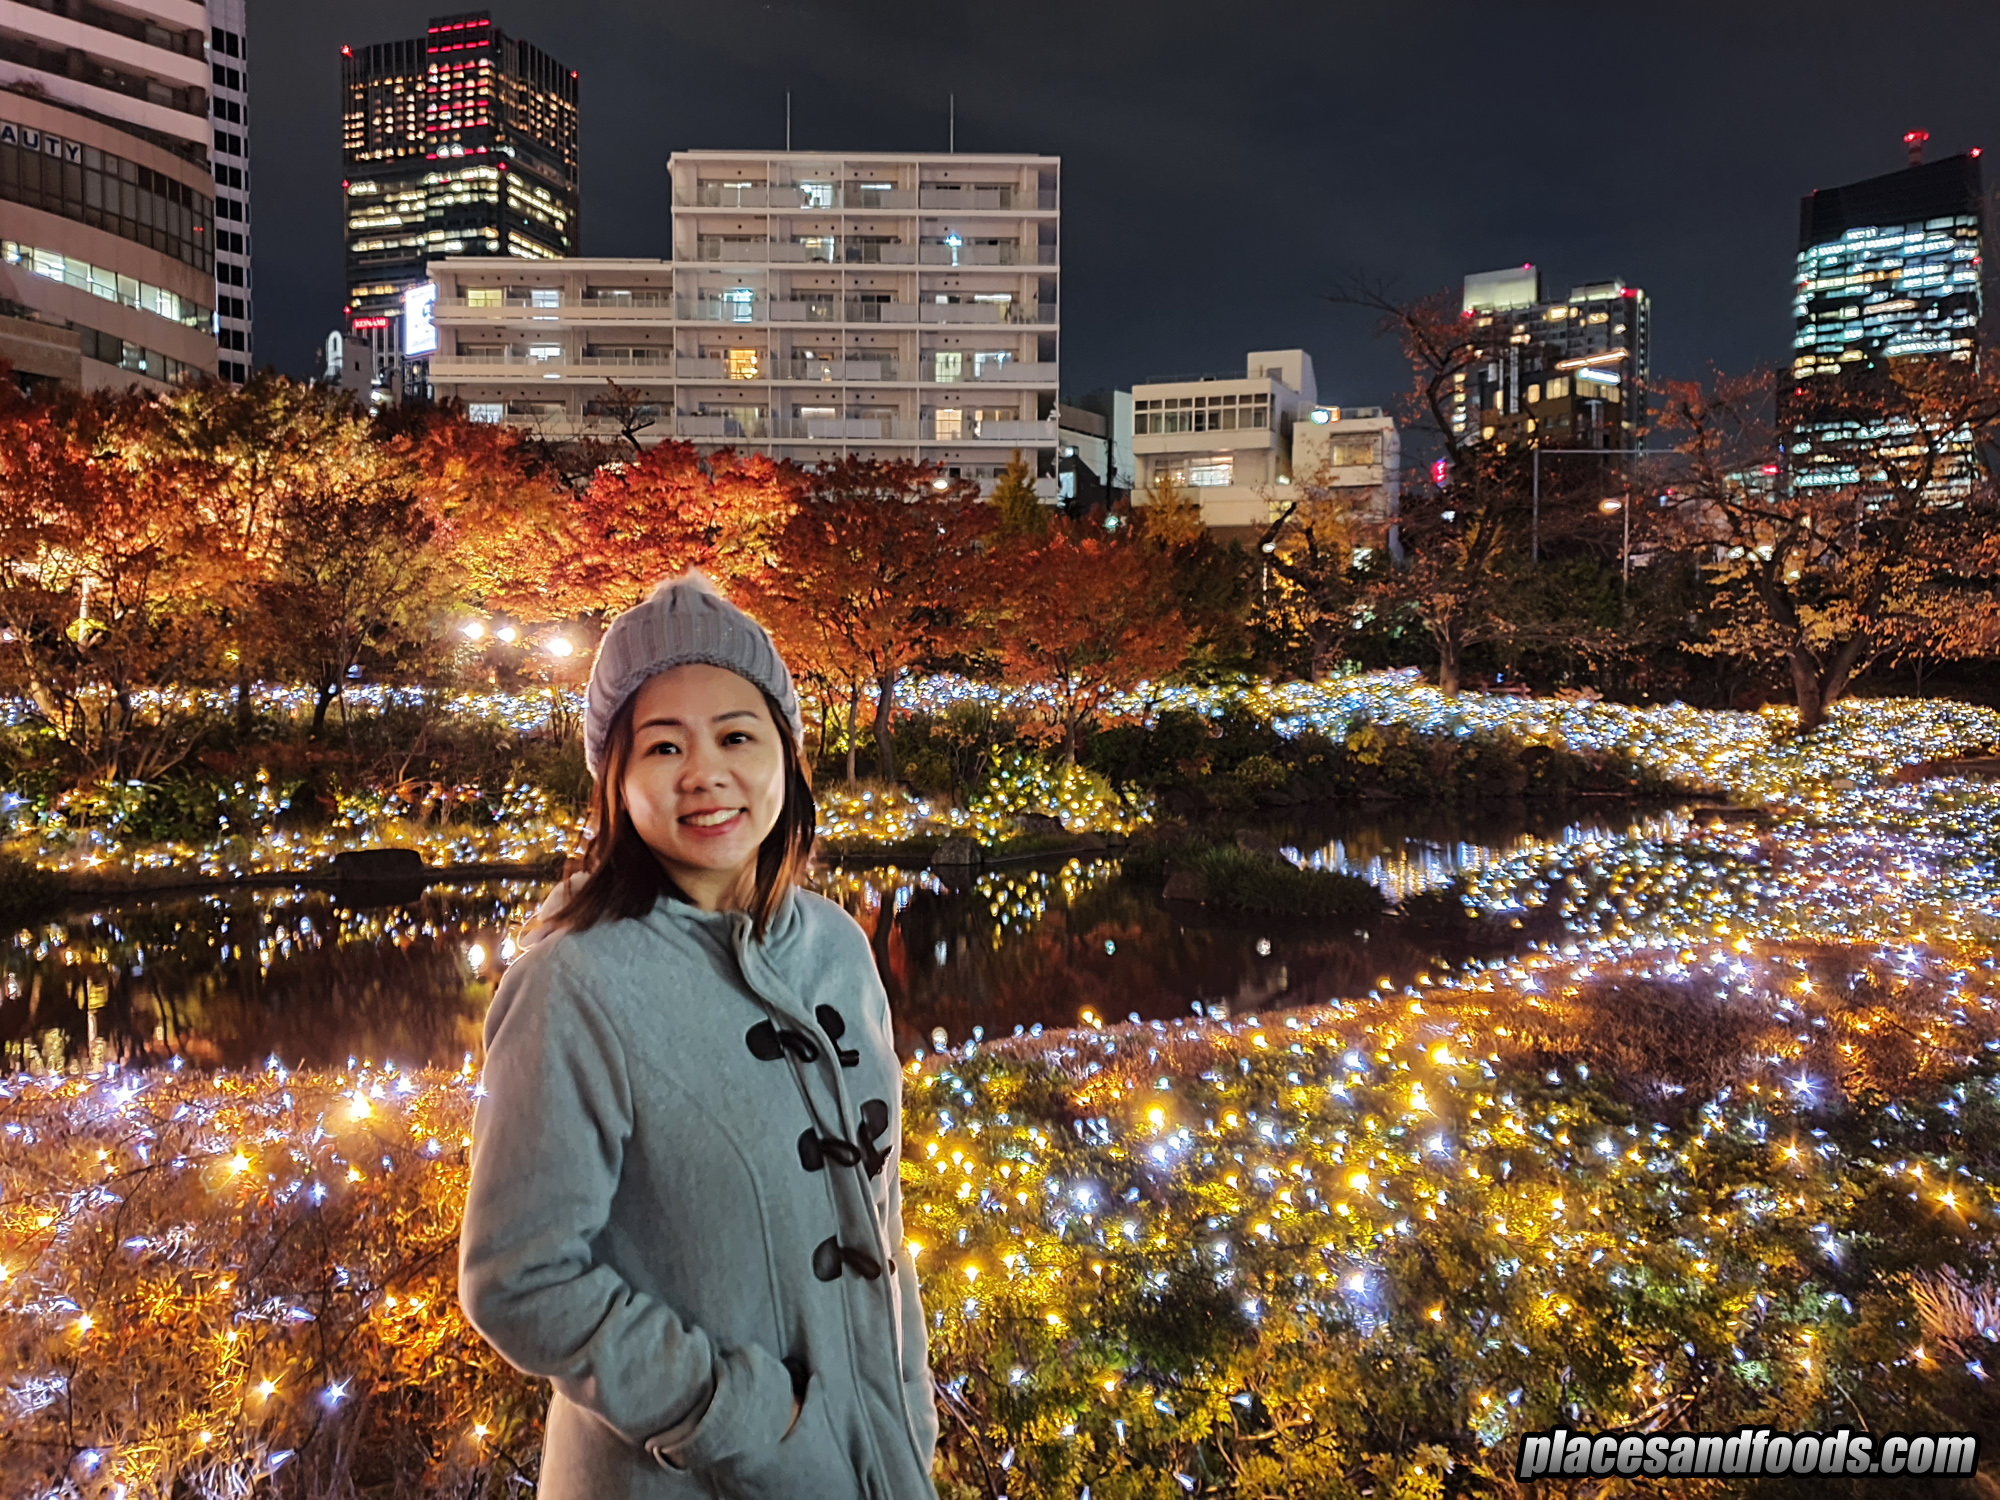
{"type": "Point", "coordinates": [788, 119]}
{"type": "Point", "coordinates": [1914, 140]}
{"type": "Point", "coordinates": [951, 137]}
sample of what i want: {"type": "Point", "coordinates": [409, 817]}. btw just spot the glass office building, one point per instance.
{"type": "Point", "coordinates": [460, 142]}
{"type": "Point", "coordinates": [1888, 269]}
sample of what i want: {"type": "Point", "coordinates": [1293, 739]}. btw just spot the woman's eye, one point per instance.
{"type": "Point", "coordinates": [665, 747]}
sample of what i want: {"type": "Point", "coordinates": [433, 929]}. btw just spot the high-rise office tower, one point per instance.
{"type": "Point", "coordinates": [1888, 270]}
{"type": "Point", "coordinates": [229, 114]}
{"type": "Point", "coordinates": [1568, 373]}
{"type": "Point", "coordinates": [107, 201]}
{"type": "Point", "coordinates": [459, 142]}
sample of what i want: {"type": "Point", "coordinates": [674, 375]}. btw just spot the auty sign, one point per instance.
{"type": "Point", "coordinates": [39, 140]}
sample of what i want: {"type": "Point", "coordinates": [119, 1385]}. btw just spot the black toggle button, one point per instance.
{"type": "Point", "coordinates": [834, 1024]}
{"type": "Point", "coordinates": [816, 1150]}
{"type": "Point", "coordinates": [767, 1043]}
{"type": "Point", "coordinates": [829, 1256]}
{"type": "Point", "coordinates": [874, 1122]}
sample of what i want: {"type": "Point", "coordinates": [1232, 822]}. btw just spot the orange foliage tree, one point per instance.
{"type": "Point", "coordinates": [1081, 616]}
{"type": "Point", "coordinates": [667, 510]}
{"type": "Point", "coordinates": [504, 520]}
{"type": "Point", "coordinates": [877, 572]}
{"type": "Point", "coordinates": [104, 601]}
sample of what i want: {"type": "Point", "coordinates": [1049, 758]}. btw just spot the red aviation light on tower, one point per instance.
{"type": "Point", "coordinates": [1913, 141]}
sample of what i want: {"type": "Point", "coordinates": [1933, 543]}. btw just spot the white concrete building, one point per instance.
{"type": "Point", "coordinates": [229, 114]}
{"type": "Point", "coordinates": [816, 306]}
{"type": "Point", "coordinates": [1351, 455]}
{"type": "Point", "coordinates": [1227, 437]}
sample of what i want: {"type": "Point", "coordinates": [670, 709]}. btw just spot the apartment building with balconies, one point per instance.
{"type": "Point", "coordinates": [107, 201]}
{"type": "Point", "coordinates": [1351, 456]}
{"type": "Point", "coordinates": [1226, 438]}
{"type": "Point", "coordinates": [815, 307]}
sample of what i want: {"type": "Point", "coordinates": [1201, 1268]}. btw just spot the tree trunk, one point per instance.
{"type": "Point", "coordinates": [1448, 662]}
{"type": "Point", "coordinates": [1818, 685]}
{"type": "Point", "coordinates": [1807, 692]}
{"type": "Point", "coordinates": [322, 697]}
{"type": "Point", "coordinates": [853, 726]}
{"type": "Point", "coordinates": [243, 699]}
{"type": "Point", "coordinates": [1069, 739]}
{"type": "Point", "coordinates": [885, 713]}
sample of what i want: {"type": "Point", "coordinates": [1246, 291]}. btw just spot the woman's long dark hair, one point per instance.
{"type": "Point", "coordinates": [617, 875]}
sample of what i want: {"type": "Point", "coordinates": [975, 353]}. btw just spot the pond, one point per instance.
{"type": "Point", "coordinates": [230, 979]}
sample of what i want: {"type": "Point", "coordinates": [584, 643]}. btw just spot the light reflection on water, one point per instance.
{"type": "Point", "coordinates": [230, 979]}
{"type": "Point", "coordinates": [1403, 858]}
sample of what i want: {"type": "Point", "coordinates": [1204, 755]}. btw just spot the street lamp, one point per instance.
{"type": "Point", "coordinates": [1611, 506]}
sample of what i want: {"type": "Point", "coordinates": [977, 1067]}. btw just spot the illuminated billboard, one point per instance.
{"type": "Point", "coordinates": [420, 335]}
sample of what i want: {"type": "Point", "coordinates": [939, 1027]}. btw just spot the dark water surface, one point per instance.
{"type": "Point", "coordinates": [313, 979]}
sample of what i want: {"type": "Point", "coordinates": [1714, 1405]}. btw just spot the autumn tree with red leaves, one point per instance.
{"type": "Point", "coordinates": [1082, 615]}
{"type": "Point", "coordinates": [105, 602]}
{"type": "Point", "coordinates": [668, 510]}
{"type": "Point", "coordinates": [877, 572]}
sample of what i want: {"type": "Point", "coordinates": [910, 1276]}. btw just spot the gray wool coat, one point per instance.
{"type": "Point", "coordinates": [684, 1209]}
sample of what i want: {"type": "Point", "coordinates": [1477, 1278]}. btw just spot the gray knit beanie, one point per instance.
{"type": "Point", "coordinates": [683, 620]}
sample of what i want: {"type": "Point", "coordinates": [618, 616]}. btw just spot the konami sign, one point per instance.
{"type": "Point", "coordinates": [39, 140]}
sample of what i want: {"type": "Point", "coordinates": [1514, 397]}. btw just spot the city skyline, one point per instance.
{"type": "Point", "coordinates": [1327, 168]}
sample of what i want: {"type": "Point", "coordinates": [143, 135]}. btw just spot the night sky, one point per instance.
{"type": "Point", "coordinates": [1225, 164]}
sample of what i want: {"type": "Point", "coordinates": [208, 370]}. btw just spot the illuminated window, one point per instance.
{"type": "Point", "coordinates": [483, 296]}
{"type": "Point", "coordinates": [950, 425]}
{"type": "Point", "coordinates": [1218, 470]}
{"type": "Point", "coordinates": [816, 194]}
{"type": "Point", "coordinates": [949, 365]}
{"type": "Point", "coordinates": [484, 411]}
{"type": "Point", "coordinates": [545, 353]}
{"type": "Point", "coordinates": [990, 362]}
{"type": "Point", "coordinates": [1351, 452]}
{"type": "Point", "coordinates": [744, 364]}
{"type": "Point", "coordinates": [545, 296]}
{"type": "Point", "coordinates": [742, 304]}
{"type": "Point", "coordinates": [1558, 387]}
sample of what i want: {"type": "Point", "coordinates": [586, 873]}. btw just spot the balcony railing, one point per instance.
{"type": "Point", "coordinates": [972, 429]}
{"type": "Point", "coordinates": [828, 251]}
{"type": "Point", "coordinates": [988, 312]}
{"type": "Point", "coordinates": [1005, 253]}
{"type": "Point", "coordinates": [721, 428]}
{"type": "Point", "coordinates": [604, 298]}
{"type": "Point", "coordinates": [993, 372]}
{"type": "Point", "coordinates": [999, 195]}
{"type": "Point", "coordinates": [794, 197]}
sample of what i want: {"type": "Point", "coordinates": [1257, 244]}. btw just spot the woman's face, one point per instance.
{"type": "Point", "coordinates": [706, 779]}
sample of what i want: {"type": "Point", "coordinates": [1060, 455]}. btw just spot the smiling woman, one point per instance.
{"type": "Point", "coordinates": [708, 1266]}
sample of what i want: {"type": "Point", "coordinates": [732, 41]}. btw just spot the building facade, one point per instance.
{"type": "Point", "coordinates": [229, 115]}
{"type": "Point", "coordinates": [107, 199]}
{"type": "Point", "coordinates": [1888, 270]}
{"type": "Point", "coordinates": [1567, 373]}
{"type": "Point", "coordinates": [1226, 438]}
{"type": "Point", "coordinates": [462, 142]}
{"type": "Point", "coordinates": [1351, 456]}
{"type": "Point", "coordinates": [816, 307]}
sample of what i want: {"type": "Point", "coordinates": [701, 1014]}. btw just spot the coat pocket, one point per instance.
{"type": "Point", "coordinates": [809, 1463]}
